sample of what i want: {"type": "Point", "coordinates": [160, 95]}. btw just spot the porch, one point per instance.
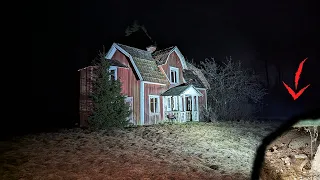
{"type": "Point", "coordinates": [181, 103]}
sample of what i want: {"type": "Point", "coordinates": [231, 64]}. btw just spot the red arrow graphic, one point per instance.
{"type": "Point", "coordinates": [296, 81]}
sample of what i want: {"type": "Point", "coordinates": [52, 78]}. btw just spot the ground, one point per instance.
{"type": "Point", "coordinates": [180, 151]}
{"type": "Point", "coordinates": [288, 157]}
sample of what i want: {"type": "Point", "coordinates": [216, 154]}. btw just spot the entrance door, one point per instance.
{"type": "Point", "coordinates": [189, 108]}
{"type": "Point", "coordinates": [129, 100]}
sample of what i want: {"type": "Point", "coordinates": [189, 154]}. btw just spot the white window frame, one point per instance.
{"type": "Point", "coordinates": [157, 108]}
{"type": "Point", "coordinates": [174, 102]}
{"type": "Point", "coordinates": [168, 99]}
{"type": "Point", "coordinates": [115, 71]}
{"type": "Point", "coordinates": [176, 70]}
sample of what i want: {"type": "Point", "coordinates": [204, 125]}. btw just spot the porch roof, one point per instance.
{"type": "Point", "coordinates": [180, 90]}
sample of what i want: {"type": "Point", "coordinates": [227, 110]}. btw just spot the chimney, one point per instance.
{"type": "Point", "coordinates": [151, 48]}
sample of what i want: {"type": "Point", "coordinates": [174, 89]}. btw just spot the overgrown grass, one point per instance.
{"type": "Point", "coordinates": [189, 150]}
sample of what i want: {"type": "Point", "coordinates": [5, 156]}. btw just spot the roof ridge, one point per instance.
{"type": "Point", "coordinates": [132, 47]}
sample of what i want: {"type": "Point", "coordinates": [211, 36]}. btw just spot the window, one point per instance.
{"type": "Point", "coordinates": [174, 103]}
{"type": "Point", "coordinates": [154, 104]}
{"type": "Point", "coordinates": [174, 75]}
{"type": "Point", "coordinates": [189, 104]}
{"type": "Point", "coordinates": [113, 72]}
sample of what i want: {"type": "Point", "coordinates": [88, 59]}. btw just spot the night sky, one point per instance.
{"type": "Point", "coordinates": [66, 37]}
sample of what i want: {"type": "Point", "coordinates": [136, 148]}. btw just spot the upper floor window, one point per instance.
{"type": "Point", "coordinates": [113, 72]}
{"type": "Point", "coordinates": [174, 75]}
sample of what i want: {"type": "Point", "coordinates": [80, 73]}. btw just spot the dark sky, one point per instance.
{"type": "Point", "coordinates": [67, 35]}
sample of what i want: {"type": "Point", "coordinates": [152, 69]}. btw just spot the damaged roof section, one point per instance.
{"type": "Point", "coordinates": [195, 75]}
{"type": "Point", "coordinates": [161, 56]}
{"type": "Point", "coordinates": [192, 78]}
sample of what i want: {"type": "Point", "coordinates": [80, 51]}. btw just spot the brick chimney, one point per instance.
{"type": "Point", "coordinates": [151, 48]}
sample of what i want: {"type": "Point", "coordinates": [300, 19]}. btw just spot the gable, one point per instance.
{"type": "Point", "coordinates": [182, 89]}
{"type": "Point", "coordinates": [162, 56]}
{"type": "Point", "coordinates": [142, 61]}
{"type": "Point", "coordinates": [114, 48]}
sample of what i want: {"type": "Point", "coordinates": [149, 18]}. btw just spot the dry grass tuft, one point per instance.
{"type": "Point", "coordinates": [180, 151]}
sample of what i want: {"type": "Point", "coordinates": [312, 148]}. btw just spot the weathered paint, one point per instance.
{"type": "Point", "coordinates": [130, 83]}
{"type": "Point", "coordinates": [152, 89]}
{"type": "Point", "coordinates": [131, 88]}
{"type": "Point", "coordinates": [85, 104]}
{"type": "Point", "coordinates": [202, 102]}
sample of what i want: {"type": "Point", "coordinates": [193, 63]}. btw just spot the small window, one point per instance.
{"type": "Point", "coordinates": [113, 73]}
{"type": "Point", "coordinates": [174, 75]}
{"type": "Point", "coordinates": [154, 104]}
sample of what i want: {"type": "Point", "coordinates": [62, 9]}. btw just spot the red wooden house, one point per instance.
{"type": "Point", "coordinates": [158, 84]}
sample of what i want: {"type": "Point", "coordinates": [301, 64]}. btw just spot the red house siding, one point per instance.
{"type": "Point", "coordinates": [173, 61]}
{"type": "Point", "coordinates": [130, 83]}
{"type": "Point", "coordinates": [85, 104]}
{"type": "Point", "coordinates": [152, 89]}
{"type": "Point", "coordinates": [202, 102]}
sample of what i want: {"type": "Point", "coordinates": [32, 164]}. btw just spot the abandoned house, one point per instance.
{"type": "Point", "coordinates": [158, 85]}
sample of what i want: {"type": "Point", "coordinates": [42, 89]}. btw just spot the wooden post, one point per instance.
{"type": "Point", "coordinates": [184, 107]}
{"type": "Point", "coordinates": [192, 108]}
{"type": "Point", "coordinates": [197, 104]}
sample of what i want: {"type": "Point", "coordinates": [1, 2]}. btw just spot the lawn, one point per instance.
{"type": "Point", "coordinates": [223, 150]}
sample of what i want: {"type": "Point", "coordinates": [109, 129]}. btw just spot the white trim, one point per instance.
{"type": "Point", "coordinates": [201, 89]}
{"type": "Point", "coordinates": [141, 102]}
{"type": "Point", "coordinates": [115, 71]}
{"type": "Point", "coordinates": [111, 52]}
{"type": "Point", "coordinates": [113, 49]}
{"type": "Point", "coordinates": [122, 67]}
{"type": "Point", "coordinates": [200, 94]}
{"type": "Point", "coordinates": [197, 104]}
{"type": "Point", "coordinates": [163, 108]}
{"type": "Point", "coordinates": [148, 82]}
{"type": "Point", "coordinates": [158, 105]}
{"type": "Point", "coordinates": [179, 54]}
{"type": "Point", "coordinates": [171, 68]}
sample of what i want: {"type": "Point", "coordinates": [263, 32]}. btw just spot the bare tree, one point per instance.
{"type": "Point", "coordinates": [234, 92]}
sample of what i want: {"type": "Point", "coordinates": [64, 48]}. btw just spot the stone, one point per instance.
{"type": "Point", "coordinates": [269, 153]}
{"type": "Point", "coordinates": [300, 156]}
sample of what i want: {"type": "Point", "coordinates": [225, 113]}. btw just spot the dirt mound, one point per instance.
{"type": "Point", "coordinates": [288, 157]}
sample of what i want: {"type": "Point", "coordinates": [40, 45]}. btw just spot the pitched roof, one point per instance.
{"type": "Point", "coordinates": [135, 52]}
{"type": "Point", "coordinates": [192, 78]}
{"type": "Point", "coordinates": [197, 73]}
{"type": "Point", "coordinates": [161, 55]}
{"type": "Point", "coordinates": [146, 64]}
{"type": "Point", "coordinates": [178, 90]}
